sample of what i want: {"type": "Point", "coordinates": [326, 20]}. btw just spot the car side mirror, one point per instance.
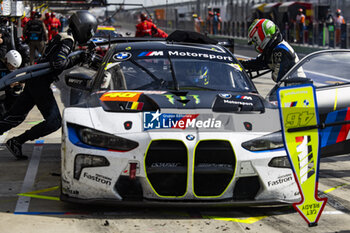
{"type": "Point", "coordinates": [297, 81]}
{"type": "Point", "coordinates": [78, 80]}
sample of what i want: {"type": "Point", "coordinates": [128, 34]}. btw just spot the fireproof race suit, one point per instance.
{"type": "Point", "coordinates": [279, 57]}
{"type": "Point", "coordinates": [37, 92]}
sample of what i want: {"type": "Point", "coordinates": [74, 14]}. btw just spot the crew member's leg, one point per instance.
{"type": "Point", "coordinates": [46, 103]}
{"type": "Point", "coordinates": [13, 118]}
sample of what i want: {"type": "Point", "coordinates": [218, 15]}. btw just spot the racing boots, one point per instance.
{"type": "Point", "coordinates": [15, 148]}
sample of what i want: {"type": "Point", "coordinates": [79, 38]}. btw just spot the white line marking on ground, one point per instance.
{"type": "Point", "coordinates": [333, 212]}
{"type": "Point", "coordinates": [29, 179]}
{"type": "Point", "coordinates": [3, 138]}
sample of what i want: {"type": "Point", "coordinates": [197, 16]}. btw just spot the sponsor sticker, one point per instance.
{"type": "Point", "coordinates": [280, 180]}
{"type": "Point", "coordinates": [122, 56]}
{"type": "Point", "coordinates": [151, 54]}
{"type": "Point", "coordinates": [157, 120]}
{"type": "Point", "coordinates": [98, 178]}
{"type": "Point", "coordinates": [238, 102]}
{"type": "Point", "coordinates": [209, 56]}
{"type": "Point", "coordinates": [121, 96]}
{"type": "Point", "coordinates": [153, 92]}
{"type": "Point", "coordinates": [243, 97]}
{"type": "Point", "coordinates": [171, 99]}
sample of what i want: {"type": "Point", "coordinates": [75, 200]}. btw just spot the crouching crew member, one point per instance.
{"type": "Point", "coordinates": [37, 91]}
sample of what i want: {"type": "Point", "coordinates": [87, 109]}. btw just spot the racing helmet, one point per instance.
{"type": "Point", "coordinates": [37, 15]}
{"type": "Point", "coordinates": [53, 14]}
{"type": "Point", "coordinates": [261, 32]}
{"type": "Point", "coordinates": [47, 15]}
{"type": "Point", "coordinates": [338, 12]}
{"type": "Point", "coordinates": [14, 58]}
{"type": "Point", "coordinates": [83, 26]}
{"type": "Point", "coordinates": [143, 16]}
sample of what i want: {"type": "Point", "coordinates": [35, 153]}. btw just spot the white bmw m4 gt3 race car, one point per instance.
{"type": "Point", "coordinates": [173, 123]}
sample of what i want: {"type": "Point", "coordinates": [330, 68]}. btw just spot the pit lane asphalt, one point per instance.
{"type": "Point", "coordinates": [38, 209]}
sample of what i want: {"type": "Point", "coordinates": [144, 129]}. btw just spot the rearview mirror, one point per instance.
{"type": "Point", "coordinates": [297, 81]}
{"type": "Point", "coordinates": [78, 80]}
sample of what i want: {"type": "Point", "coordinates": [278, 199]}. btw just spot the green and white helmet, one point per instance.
{"type": "Point", "coordinates": [261, 32]}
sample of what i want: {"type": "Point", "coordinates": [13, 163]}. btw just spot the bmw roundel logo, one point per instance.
{"type": "Point", "coordinates": [190, 137]}
{"type": "Point", "coordinates": [121, 56]}
{"type": "Point", "coordinates": [225, 95]}
{"type": "Point", "coordinates": [306, 103]}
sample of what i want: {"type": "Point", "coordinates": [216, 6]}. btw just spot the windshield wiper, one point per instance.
{"type": "Point", "coordinates": [155, 78]}
{"type": "Point", "coordinates": [176, 84]}
{"type": "Point", "coordinates": [197, 88]}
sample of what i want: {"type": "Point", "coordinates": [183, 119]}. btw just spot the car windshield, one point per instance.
{"type": "Point", "coordinates": [174, 74]}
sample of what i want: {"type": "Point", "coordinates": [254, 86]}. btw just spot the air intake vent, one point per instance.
{"type": "Point", "coordinates": [246, 188]}
{"type": "Point", "coordinates": [214, 167]}
{"type": "Point", "coordinates": [166, 165]}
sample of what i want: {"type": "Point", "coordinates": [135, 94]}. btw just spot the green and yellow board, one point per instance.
{"type": "Point", "coordinates": [298, 108]}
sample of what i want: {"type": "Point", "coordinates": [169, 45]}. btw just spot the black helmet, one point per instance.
{"type": "Point", "coordinates": [37, 15]}
{"type": "Point", "coordinates": [83, 25]}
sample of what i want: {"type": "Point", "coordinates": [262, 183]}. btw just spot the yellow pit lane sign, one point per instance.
{"type": "Point", "coordinates": [298, 109]}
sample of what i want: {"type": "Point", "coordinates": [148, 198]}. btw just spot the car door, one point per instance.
{"type": "Point", "coordinates": [329, 71]}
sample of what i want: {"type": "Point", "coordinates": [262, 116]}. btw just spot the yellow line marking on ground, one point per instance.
{"type": "Point", "coordinates": [33, 194]}
{"type": "Point", "coordinates": [250, 220]}
{"type": "Point", "coordinates": [39, 196]}
{"type": "Point", "coordinates": [334, 188]}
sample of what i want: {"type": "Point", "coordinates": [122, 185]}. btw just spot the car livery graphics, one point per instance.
{"type": "Point", "coordinates": [151, 54]}
{"type": "Point", "coordinates": [122, 56]}
{"type": "Point", "coordinates": [120, 96]}
{"type": "Point", "coordinates": [157, 120]}
{"type": "Point", "coordinates": [209, 56]}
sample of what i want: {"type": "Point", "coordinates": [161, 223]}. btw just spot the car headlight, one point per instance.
{"type": "Point", "coordinates": [99, 139]}
{"type": "Point", "coordinates": [82, 161]}
{"type": "Point", "coordinates": [266, 142]}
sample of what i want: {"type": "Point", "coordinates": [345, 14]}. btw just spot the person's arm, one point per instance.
{"type": "Point", "coordinates": [45, 33]}
{"type": "Point", "coordinates": [60, 60]}
{"type": "Point", "coordinates": [255, 64]}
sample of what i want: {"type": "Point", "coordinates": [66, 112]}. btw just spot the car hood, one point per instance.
{"type": "Point", "coordinates": [140, 101]}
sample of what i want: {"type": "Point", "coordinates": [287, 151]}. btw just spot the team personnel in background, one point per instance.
{"type": "Point", "coordinates": [156, 32]}
{"type": "Point", "coordinates": [36, 35]}
{"type": "Point", "coordinates": [55, 25]}
{"type": "Point", "coordinates": [47, 22]}
{"type": "Point", "coordinates": [145, 27]}
{"type": "Point", "coordinates": [219, 22]}
{"type": "Point", "coordinates": [209, 22]}
{"type": "Point", "coordinates": [300, 25]}
{"type": "Point", "coordinates": [12, 61]}
{"type": "Point", "coordinates": [197, 23]}
{"type": "Point", "coordinates": [37, 91]}
{"type": "Point", "coordinates": [275, 53]}
{"type": "Point", "coordinates": [339, 20]}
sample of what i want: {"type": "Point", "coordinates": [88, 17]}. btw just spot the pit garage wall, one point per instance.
{"type": "Point", "coordinates": [236, 16]}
